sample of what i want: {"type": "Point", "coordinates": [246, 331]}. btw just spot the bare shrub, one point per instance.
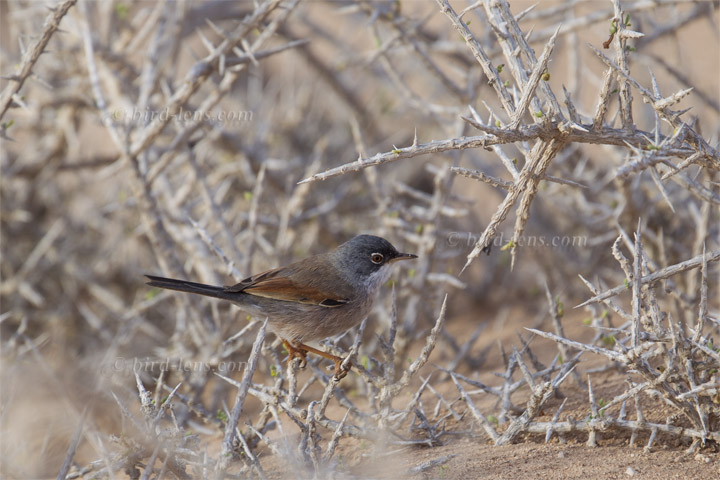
{"type": "Point", "coordinates": [210, 140]}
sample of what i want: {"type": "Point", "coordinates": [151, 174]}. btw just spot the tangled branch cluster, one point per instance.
{"type": "Point", "coordinates": [93, 196]}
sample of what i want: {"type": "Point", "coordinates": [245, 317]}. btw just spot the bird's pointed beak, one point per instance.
{"type": "Point", "coordinates": [403, 256]}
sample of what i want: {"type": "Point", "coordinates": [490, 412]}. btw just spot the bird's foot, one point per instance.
{"type": "Point", "coordinates": [340, 370]}
{"type": "Point", "coordinates": [294, 353]}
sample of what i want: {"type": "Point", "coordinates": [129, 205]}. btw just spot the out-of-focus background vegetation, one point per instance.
{"type": "Point", "coordinates": [93, 198]}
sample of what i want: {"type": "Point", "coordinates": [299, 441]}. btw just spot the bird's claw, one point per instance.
{"type": "Point", "coordinates": [303, 359]}
{"type": "Point", "coordinates": [294, 353]}
{"type": "Point", "coordinates": [300, 355]}
{"type": "Point", "coordinates": [340, 370]}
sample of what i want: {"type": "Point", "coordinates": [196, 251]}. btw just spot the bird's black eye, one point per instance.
{"type": "Point", "coordinates": [377, 258]}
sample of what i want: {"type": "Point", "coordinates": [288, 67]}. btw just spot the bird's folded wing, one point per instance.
{"type": "Point", "coordinates": [270, 285]}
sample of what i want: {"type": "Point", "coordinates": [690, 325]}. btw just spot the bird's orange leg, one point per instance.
{"type": "Point", "coordinates": [295, 352]}
{"type": "Point", "coordinates": [301, 350]}
{"type": "Point", "coordinates": [340, 372]}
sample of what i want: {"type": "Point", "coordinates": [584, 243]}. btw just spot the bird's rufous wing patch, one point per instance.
{"type": "Point", "coordinates": [270, 285]}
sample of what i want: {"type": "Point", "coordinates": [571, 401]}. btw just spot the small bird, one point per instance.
{"type": "Point", "coordinates": [315, 298]}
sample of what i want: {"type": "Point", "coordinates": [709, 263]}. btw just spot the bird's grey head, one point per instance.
{"type": "Point", "coordinates": [366, 260]}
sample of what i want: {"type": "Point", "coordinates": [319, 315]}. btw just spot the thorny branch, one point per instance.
{"type": "Point", "coordinates": [203, 199]}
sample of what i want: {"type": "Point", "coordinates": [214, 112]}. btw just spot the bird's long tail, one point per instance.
{"type": "Point", "coordinates": [185, 286]}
